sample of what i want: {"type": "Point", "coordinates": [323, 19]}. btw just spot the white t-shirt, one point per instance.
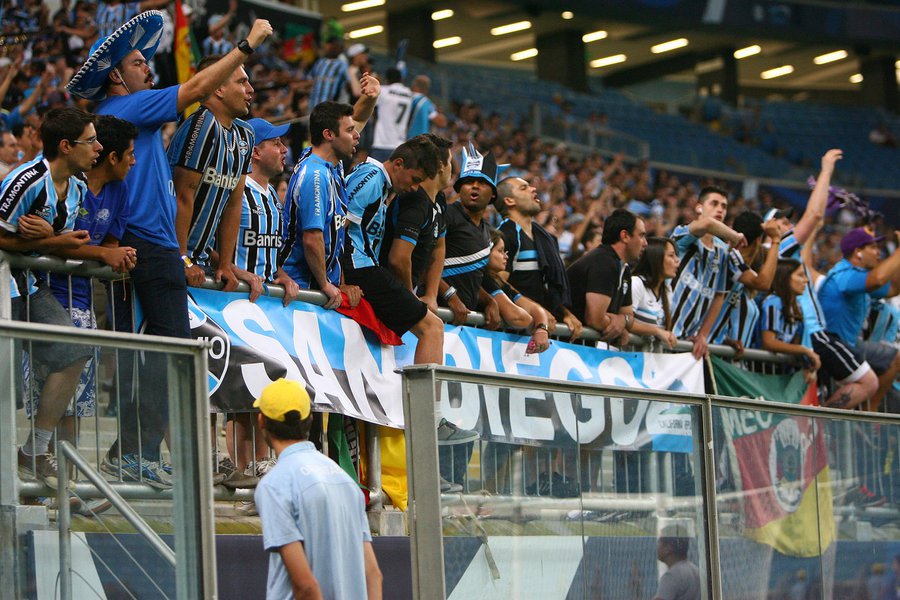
{"type": "Point", "coordinates": [647, 307]}
{"type": "Point", "coordinates": [393, 116]}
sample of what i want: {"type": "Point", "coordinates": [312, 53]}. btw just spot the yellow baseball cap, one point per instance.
{"type": "Point", "coordinates": [281, 397]}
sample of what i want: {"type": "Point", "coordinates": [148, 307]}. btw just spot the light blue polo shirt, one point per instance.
{"type": "Point", "coordinates": [308, 498]}
{"type": "Point", "coordinates": [846, 302]}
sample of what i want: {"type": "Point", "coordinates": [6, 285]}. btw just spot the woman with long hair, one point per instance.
{"type": "Point", "coordinates": [651, 293]}
{"type": "Point", "coordinates": [782, 319]}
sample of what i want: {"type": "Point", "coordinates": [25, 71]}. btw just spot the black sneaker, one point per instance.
{"type": "Point", "coordinates": [222, 470]}
{"type": "Point", "coordinates": [449, 434]}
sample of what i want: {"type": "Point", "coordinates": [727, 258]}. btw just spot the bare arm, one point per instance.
{"type": "Point", "coordinates": [818, 199]}
{"type": "Point", "coordinates": [365, 106]}
{"type": "Point", "coordinates": [806, 255]}
{"type": "Point", "coordinates": [514, 316]}
{"type": "Point", "coordinates": [186, 182]}
{"type": "Point", "coordinates": [314, 253]}
{"type": "Point", "coordinates": [227, 234]}
{"type": "Point", "coordinates": [47, 245]}
{"type": "Point", "coordinates": [374, 580]}
{"type": "Point", "coordinates": [208, 80]}
{"type": "Point", "coordinates": [303, 582]}
{"type": "Point", "coordinates": [595, 310]}
{"type": "Point", "coordinates": [763, 280]}
{"type": "Point", "coordinates": [704, 225]}
{"type": "Point", "coordinates": [400, 261]}
{"type": "Point", "coordinates": [433, 274]}
{"type": "Point", "coordinates": [885, 271]}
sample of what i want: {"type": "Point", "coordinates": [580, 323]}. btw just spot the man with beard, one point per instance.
{"type": "Point", "coordinates": [534, 265]}
{"type": "Point", "coordinates": [116, 75]}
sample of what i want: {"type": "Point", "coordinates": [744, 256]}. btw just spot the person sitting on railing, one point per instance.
{"type": "Point", "coordinates": [601, 279]}
{"type": "Point", "coordinates": [782, 319]}
{"type": "Point", "coordinates": [534, 266]}
{"type": "Point", "coordinates": [39, 202]}
{"type": "Point", "coordinates": [651, 292]}
{"type": "Point", "coordinates": [699, 287]}
{"type": "Point", "coordinates": [856, 380]}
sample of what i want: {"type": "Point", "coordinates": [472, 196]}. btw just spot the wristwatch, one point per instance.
{"type": "Point", "coordinates": [187, 261]}
{"type": "Point", "coordinates": [542, 326]}
{"type": "Point", "coordinates": [244, 46]}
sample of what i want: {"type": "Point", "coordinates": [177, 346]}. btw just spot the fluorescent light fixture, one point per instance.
{"type": "Point", "coordinates": [447, 41]}
{"type": "Point", "coordinates": [439, 15]}
{"type": "Point", "coordinates": [594, 36]}
{"type": "Point", "coordinates": [856, 78]}
{"type": "Point", "coordinates": [669, 46]}
{"type": "Point", "coordinates": [567, 14]}
{"type": "Point", "coordinates": [608, 60]}
{"type": "Point", "coordinates": [511, 28]}
{"type": "Point", "coordinates": [524, 54]}
{"type": "Point", "coordinates": [748, 51]}
{"type": "Point", "coordinates": [361, 5]}
{"type": "Point", "coordinates": [777, 72]}
{"type": "Point", "coordinates": [365, 32]}
{"type": "Point", "coordinates": [824, 59]}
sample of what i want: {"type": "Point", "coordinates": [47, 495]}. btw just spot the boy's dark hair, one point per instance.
{"type": "Point", "coordinates": [115, 135]}
{"type": "Point", "coordinates": [393, 75]}
{"type": "Point", "coordinates": [750, 224]}
{"type": "Point", "coordinates": [207, 61]}
{"type": "Point", "coordinates": [63, 124]}
{"type": "Point", "coordinates": [327, 115]}
{"type": "Point", "coordinates": [441, 143]}
{"type": "Point", "coordinates": [418, 153]}
{"type": "Point", "coordinates": [292, 428]}
{"type": "Point", "coordinates": [620, 220]}
{"type": "Point", "coordinates": [711, 189]}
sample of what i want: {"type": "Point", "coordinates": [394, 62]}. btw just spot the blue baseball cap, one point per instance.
{"type": "Point", "coordinates": [263, 130]}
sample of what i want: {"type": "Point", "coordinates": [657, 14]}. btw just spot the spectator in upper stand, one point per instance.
{"type": "Point", "coordinates": [39, 202]}
{"type": "Point", "coordinates": [28, 136]}
{"type": "Point", "coordinates": [651, 293]}
{"type": "Point", "coordinates": [19, 113]}
{"type": "Point", "coordinates": [699, 286]}
{"type": "Point", "coordinates": [358, 55]}
{"type": "Point", "coordinates": [534, 267]}
{"type": "Point", "coordinates": [468, 244]}
{"type": "Point", "coordinates": [329, 75]}
{"type": "Point", "coordinates": [111, 14]}
{"type": "Point", "coordinates": [782, 319]}
{"type": "Point", "coordinates": [423, 114]}
{"type": "Point", "coordinates": [216, 42]}
{"type": "Point", "coordinates": [737, 320]}
{"type": "Point", "coordinates": [392, 115]}
{"type": "Point", "coordinates": [601, 279]}
{"type": "Point", "coordinates": [117, 76]}
{"type": "Point", "coordinates": [9, 152]}
{"type": "Point", "coordinates": [846, 296]}
{"type": "Point", "coordinates": [857, 382]}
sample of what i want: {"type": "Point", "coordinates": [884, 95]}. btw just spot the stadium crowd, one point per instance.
{"type": "Point", "coordinates": [369, 192]}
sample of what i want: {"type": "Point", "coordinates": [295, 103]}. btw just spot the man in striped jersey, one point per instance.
{"type": "Point", "coordinates": [110, 15]}
{"type": "Point", "coordinates": [329, 75]}
{"type": "Point", "coordinates": [856, 380]}
{"type": "Point", "coordinates": [210, 158]}
{"type": "Point", "coordinates": [422, 112]}
{"type": "Point", "coordinates": [38, 205]}
{"type": "Point", "coordinates": [699, 286]}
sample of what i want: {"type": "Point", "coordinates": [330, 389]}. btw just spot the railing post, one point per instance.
{"type": "Point", "coordinates": [64, 522]}
{"type": "Point", "coordinates": [709, 492]}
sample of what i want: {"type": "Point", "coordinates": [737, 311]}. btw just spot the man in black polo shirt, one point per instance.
{"type": "Point", "coordinates": [601, 279]}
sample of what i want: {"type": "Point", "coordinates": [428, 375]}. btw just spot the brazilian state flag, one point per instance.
{"type": "Point", "coordinates": [782, 462]}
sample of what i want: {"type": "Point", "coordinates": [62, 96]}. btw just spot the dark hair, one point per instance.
{"type": "Point", "coordinates": [63, 124]}
{"type": "Point", "coordinates": [781, 287]}
{"type": "Point", "coordinates": [393, 75]}
{"type": "Point", "coordinates": [418, 153]}
{"type": "Point", "coordinates": [679, 545]}
{"type": "Point", "coordinates": [327, 115]}
{"type": "Point", "coordinates": [114, 135]}
{"type": "Point", "coordinates": [750, 224]}
{"type": "Point", "coordinates": [442, 144]}
{"type": "Point", "coordinates": [207, 61]}
{"type": "Point", "coordinates": [620, 220]}
{"type": "Point", "coordinates": [650, 268]}
{"type": "Point", "coordinates": [292, 428]}
{"type": "Point", "coordinates": [711, 189]}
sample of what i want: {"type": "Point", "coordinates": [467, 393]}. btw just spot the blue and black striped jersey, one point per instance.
{"type": "Point", "coordinates": [222, 157]}
{"type": "Point", "coordinates": [786, 330]}
{"type": "Point", "coordinates": [368, 189]}
{"type": "Point", "coordinates": [259, 238]}
{"type": "Point", "coordinates": [110, 17]}
{"type": "Point", "coordinates": [734, 320]}
{"type": "Point", "coordinates": [701, 275]}
{"type": "Point", "coordinates": [329, 77]}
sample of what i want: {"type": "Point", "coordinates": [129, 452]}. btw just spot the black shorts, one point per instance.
{"type": "Point", "coordinates": [394, 304]}
{"type": "Point", "coordinates": [837, 359]}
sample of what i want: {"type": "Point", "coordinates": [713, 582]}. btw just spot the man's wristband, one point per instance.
{"type": "Point", "coordinates": [542, 326]}
{"type": "Point", "coordinates": [629, 320]}
{"type": "Point", "coordinates": [187, 261]}
{"type": "Point", "coordinates": [451, 291]}
{"type": "Point", "coordinates": [244, 46]}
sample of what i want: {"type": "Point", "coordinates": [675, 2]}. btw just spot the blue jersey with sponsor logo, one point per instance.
{"type": "Point", "coordinates": [316, 200]}
{"type": "Point", "coordinates": [737, 319]}
{"type": "Point", "coordinates": [368, 189]}
{"type": "Point", "coordinates": [222, 157]}
{"type": "Point", "coordinates": [29, 190]}
{"type": "Point", "coordinates": [844, 296]}
{"type": "Point", "coordinates": [420, 112]}
{"type": "Point", "coordinates": [151, 197]}
{"type": "Point", "coordinates": [701, 275]}
{"type": "Point", "coordinates": [259, 238]}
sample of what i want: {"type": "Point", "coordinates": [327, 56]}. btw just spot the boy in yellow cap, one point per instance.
{"type": "Point", "coordinates": [313, 514]}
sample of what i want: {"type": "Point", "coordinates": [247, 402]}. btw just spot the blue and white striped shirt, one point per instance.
{"type": "Point", "coordinates": [110, 17]}
{"type": "Point", "coordinates": [329, 81]}
{"type": "Point", "coordinates": [259, 237]}
{"type": "Point", "coordinates": [701, 275]}
{"type": "Point", "coordinates": [420, 112]}
{"type": "Point", "coordinates": [368, 188]}
{"type": "Point", "coordinates": [737, 319]}
{"type": "Point", "coordinates": [774, 320]}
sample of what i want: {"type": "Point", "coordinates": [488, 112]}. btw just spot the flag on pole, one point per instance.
{"type": "Point", "coordinates": [187, 54]}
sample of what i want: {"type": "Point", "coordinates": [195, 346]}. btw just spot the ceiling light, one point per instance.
{"type": "Point", "coordinates": [365, 32]}
{"type": "Point", "coordinates": [511, 28]}
{"type": "Point", "coordinates": [594, 36]}
{"type": "Point", "coordinates": [447, 41]}
{"type": "Point", "coordinates": [439, 15]}
{"type": "Point", "coordinates": [856, 78]}
{"type": "Point", "coordinates": [567, 14]}
{"type": "Point", "coordinates": [830, 57]}
{"type": "Point", "coordinates": [777, 72]}
{"type": "Point", "coordinates": [361, 5]}
{"type": "Point", "coordinates": [524, 54]}
{"type": "Point", "coordinates": [748, 51]}
{"type": "Point", "coordinates": [670, 45]}
{"type": "Point", "coordinates": [608, 60]}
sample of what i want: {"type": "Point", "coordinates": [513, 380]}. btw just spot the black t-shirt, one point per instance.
{"type": "Point", "coordinates": [523, 265]}
{"type": "Point", "coordinates": [600, 271]}
{"type": "Point", "coordinates": [468, 247]}
{"type": "Point", "coordinates": [415, 218]}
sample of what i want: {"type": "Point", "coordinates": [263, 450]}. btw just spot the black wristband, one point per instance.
{"type": "Point", "coordinates": [244, 46]}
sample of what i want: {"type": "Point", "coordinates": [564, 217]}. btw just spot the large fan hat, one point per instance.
{"type": "Point", "coordinates": [476, 166]}
{"type": "Point", "coordinates": [143, 33]}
